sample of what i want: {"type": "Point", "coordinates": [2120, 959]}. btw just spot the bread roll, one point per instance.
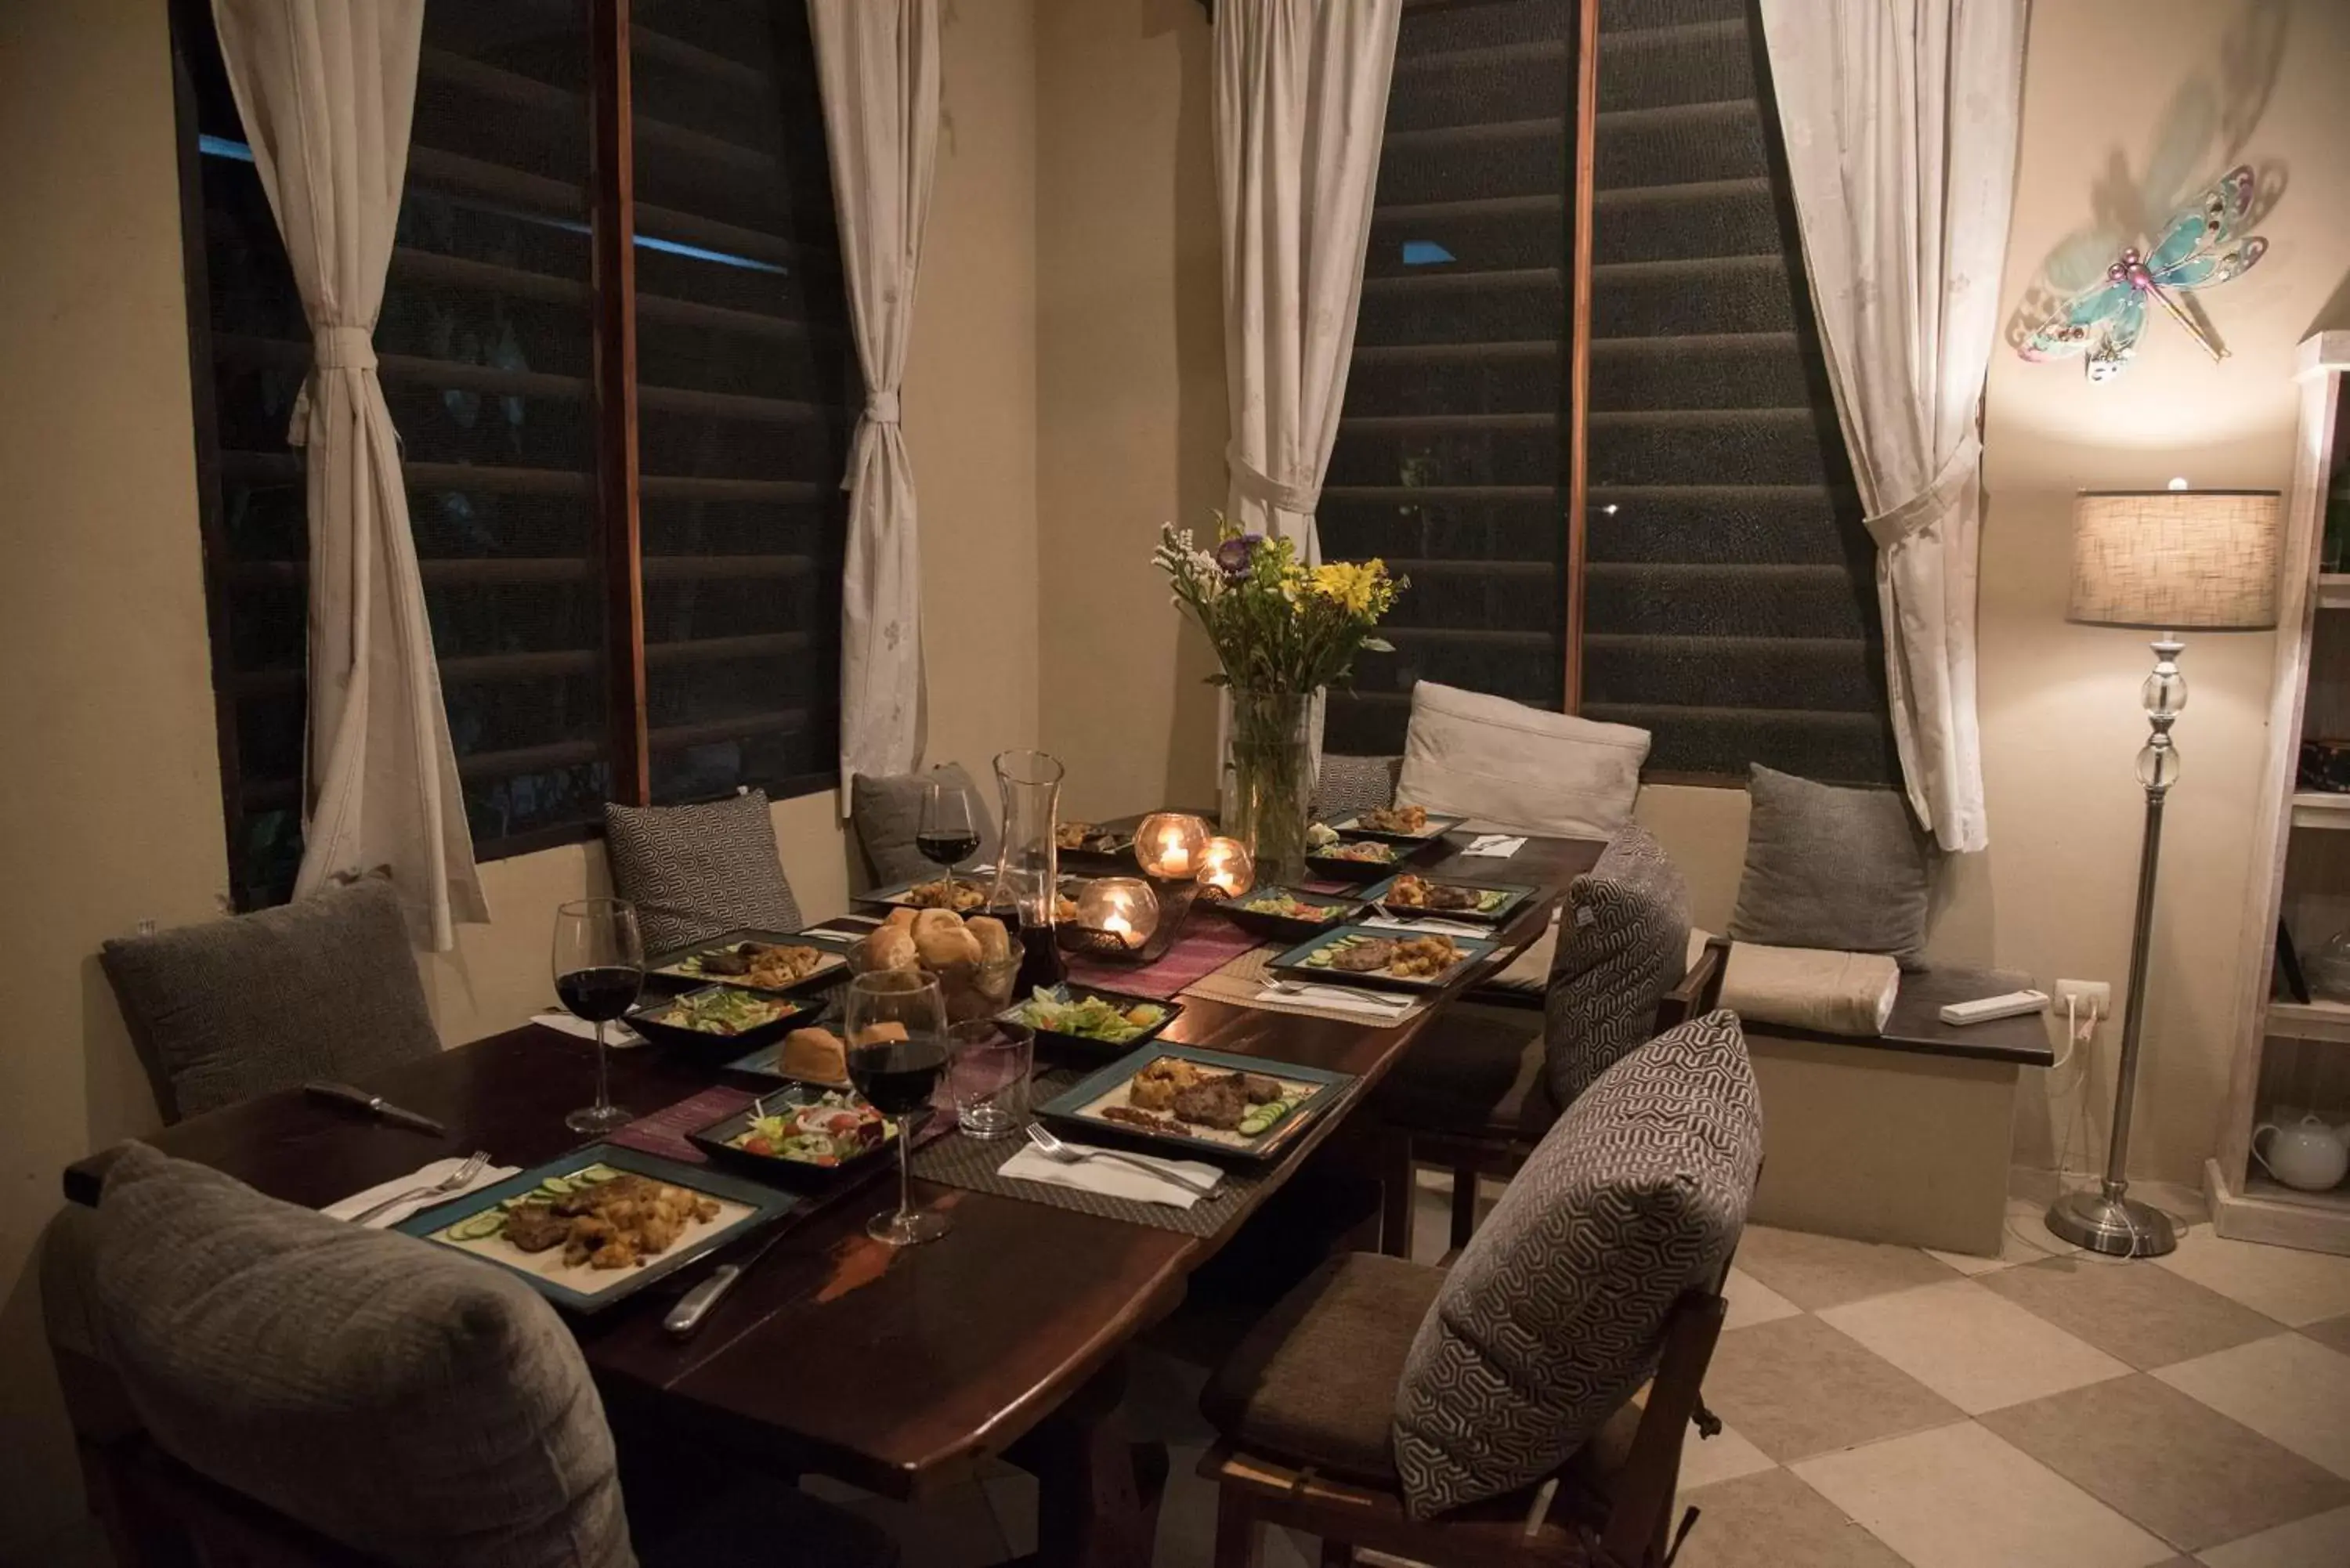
{"type": "Point", "coordinates": [885, 1032]}
{"type": "Point", "coordinates": [994, 940]}
{"type": "Point", "coordinates": [936, 920]}
{"type": "Point", "coordinates": [815, 1054]}
{"type": "Point", "coordinates": [889, 948]}
{"type": "Point", "coordinates": [901, 917]}
{"type": "Point", "coordinates": [946, 945]}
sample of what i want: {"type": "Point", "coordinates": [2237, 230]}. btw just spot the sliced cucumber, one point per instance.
{"type": "Point", "coordinates": [555, 1186]}
{"type": "Point", "coordinates": [595, 1174]}
{"type": "Point", "coordinates": [480, 1226]}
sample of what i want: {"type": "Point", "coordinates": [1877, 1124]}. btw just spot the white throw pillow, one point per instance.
{"type": "Point", "coordinates": [1504, 765]}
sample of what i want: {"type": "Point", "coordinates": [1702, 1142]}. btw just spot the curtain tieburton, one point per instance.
{"type": "Point", "coordinates": [1932, 503]}
{"type": "Point", "coordinates": [1267, 491]}
{"type": "Point", "coordinates": [331, 348]}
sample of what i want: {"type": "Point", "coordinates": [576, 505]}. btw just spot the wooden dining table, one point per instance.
{"type": "Point", "coordinates": [894, 1369]}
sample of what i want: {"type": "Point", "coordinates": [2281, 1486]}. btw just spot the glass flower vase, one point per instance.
{"type": "Point", "coordinates": [1268, 780]}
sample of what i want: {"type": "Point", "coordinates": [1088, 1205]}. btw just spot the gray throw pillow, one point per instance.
{"type": "Point", "coordinates": [1623, 942]}
{"type": "Point", "coordinates": [886, 811]}
{"type": "Point", "coordinates": [1555, 1312]}
{"type": "Point", "coordinates": [1348, 784]}
{"type": "Point", "coordinates": [322, 988]}
{"type": "Point", "coordinates": [1840, 869]}
{"type": "Point", "coordinates": [693, 871]}
{"type": "Point", "coordinates": [385, 1391]}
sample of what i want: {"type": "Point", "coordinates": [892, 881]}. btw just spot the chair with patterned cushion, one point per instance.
{"type": "Point", "coordinates": [1481, 1085]}
{"type": "Point", "coordinates": [254, 1384]}
{"type": "Point", "coordinates": [886, 810]}
{"type": "Point", "coordinates": [1491, 1413]}
{"type": "Point", "coordinates": [224, 1010]}
{"type": "Point", "coordinates": [696, 871]}
{"type": "Point", "coordinates": [1345, 785]}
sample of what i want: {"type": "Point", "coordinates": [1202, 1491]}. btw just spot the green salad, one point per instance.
{"type": "Point", "coordinates": [720, 1010]}
{"type": "Point", "coordinates": [834, 1128]}
{"type": "Point", "coordinates": [1095, 1018]}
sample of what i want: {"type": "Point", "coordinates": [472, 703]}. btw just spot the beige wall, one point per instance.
{"type": "Point", "coordinates": [113, 800]}
{"type": "Point", "coordinates": [1130, 391]}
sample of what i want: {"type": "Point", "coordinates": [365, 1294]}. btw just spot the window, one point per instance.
{"type": "Point", "coordinates": [1681, 548]}
{"type": "Point", "coordinates": [541, 483]}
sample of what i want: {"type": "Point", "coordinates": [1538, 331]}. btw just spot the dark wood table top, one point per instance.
{"type": "Point", "coordinates": [893, 1369]}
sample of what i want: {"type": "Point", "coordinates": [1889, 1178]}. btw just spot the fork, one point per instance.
{"type": "Point", "coordinates": [455, 1180]}
{"type": "Point", "coordinates": [1340, 995]}
{"type": "Point", "coordinates": [1060, 1153]}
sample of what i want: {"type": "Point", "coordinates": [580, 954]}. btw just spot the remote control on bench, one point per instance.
{"type": "Point", "coordinates": [2012, 1005]}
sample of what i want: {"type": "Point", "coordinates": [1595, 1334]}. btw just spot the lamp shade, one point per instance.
{"type": "Point", "coordinates": [2174, 560]}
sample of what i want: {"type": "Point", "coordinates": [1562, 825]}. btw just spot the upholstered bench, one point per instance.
{"type": "Point", "coordinates": [1902, 1137]}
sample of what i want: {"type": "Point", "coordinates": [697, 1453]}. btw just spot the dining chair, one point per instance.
{"type": "Point", "coordinates": [252, 1385]}
{"type": "Point", "coordinates": [885, 811]}
{"type": "Point", "coordinates": [224, 1010]}
{"type": "Point", "coordinates": [1527, 1405]}
{"type": "Point", "coordinates": [699, 870]}
{"type": "Point", "coordinates": [1483, 1083]}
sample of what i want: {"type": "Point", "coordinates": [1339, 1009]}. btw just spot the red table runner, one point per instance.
{"type": "Point", "coordinates": [1207, 944]}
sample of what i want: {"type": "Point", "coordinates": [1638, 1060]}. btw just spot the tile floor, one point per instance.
{"type": "Point", "coordinates": [1886, 1407]}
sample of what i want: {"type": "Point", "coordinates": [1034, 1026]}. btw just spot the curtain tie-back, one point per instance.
{"type": "Point", "coordinates": [881, 408]}
{"type": "Point", "coordinates": [1267, 491]}
{"type": "Point", "coordinates": [331, 348]}
{"type": "Point", "coordinates": [1889, 527]}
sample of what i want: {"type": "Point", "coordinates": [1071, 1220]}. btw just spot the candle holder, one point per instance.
{"type": "Point", "coordinates": [1227, 870]}
{"type": "Point", "coordinates": [1169, 844]}
{"type": "Point", "coordinates": [1126, 919]}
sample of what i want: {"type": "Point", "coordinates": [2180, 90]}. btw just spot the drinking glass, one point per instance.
{"type": "Point", "coordinates": [988, 1076]}
{"type": "Point", "coordinates": [945, 833]}
{"type": "Point", "coordinates": [895, 1021]}
{"type": "Point", "coordinates": [599, 968]}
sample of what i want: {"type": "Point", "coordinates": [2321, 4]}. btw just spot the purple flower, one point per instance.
{"type": "Point", "coordinates": [1235, 555]}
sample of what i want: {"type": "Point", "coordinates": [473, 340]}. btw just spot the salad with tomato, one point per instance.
{"type": "Point", "coordinates": [832, 1129]}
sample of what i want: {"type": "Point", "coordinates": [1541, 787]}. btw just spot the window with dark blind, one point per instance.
{"type": "Point", "coordinates": [1709, 578]}
{"type": "Point", "coordinates": [498, 332]}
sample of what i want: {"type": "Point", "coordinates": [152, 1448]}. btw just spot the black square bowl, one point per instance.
{"type": "Point", "coordinates": [1285, 928]}
{"type": "Point", "coordinates": [715, 1049]}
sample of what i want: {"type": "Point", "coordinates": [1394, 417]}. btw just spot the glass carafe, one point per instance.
{"type": "Point", "coordinates": [1027, 868]}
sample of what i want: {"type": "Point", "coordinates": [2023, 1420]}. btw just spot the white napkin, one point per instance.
{"type": "Point", "coordinates": [1111, 1178]}
{"type": "Point", "coordinates": [1494, 846]}
{"type": "Point", "coordinates": [1392, 1009]}
{"type": "Point", "coordinates": [422, 1176]}
{"type": "Point", "coordinates": [1442, 928]}
{"type": "Point", "coordinates": [619, 1036]}
{"type": "Point", "coordinates": [835, 931]}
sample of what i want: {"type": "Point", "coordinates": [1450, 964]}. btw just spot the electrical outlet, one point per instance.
{"type": "Point", "coordinates": [2092, 998]}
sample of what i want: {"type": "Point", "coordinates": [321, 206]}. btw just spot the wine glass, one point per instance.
{"type": "Point", "coordinates": [946, 832]}
{"type": "Point", "coordinates": [895, 1021]}
{"type": "Point", "coordinates": [599, 967]}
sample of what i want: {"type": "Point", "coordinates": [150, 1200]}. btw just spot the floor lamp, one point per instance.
{"type": "Point", "coordinates": [2164, 561]}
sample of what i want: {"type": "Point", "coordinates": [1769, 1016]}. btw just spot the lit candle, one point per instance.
{"type": "Point", "coordinates": [1119, 906]}
{"type": "Point", "coordinates": [1226, 868]}
{"type": "Point", "coordinates": [1167, 844]}
{"type": "Point", "coordinates": [1119, 926]}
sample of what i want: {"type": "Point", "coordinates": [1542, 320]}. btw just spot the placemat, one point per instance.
{"type": "Point", "coordinates": [1239, 981]}
{"type": "Point", "coordinates": [1208, 941]}
{"type": "Point", "coordinates": [971, 1163]}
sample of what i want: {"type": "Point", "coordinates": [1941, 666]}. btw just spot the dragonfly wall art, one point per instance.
{"type": "Point", "coordinates": [2198, 248]}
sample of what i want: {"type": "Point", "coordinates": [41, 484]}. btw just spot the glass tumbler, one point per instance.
{"type": "Point", "coordinates": [988, 1075]}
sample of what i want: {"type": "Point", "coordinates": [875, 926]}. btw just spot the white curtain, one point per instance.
{"type": "Point", "coordinates": [1901, 119]}
{"type": "Point", "coordinates": [878, 70]}
{"type": "Point", "coordinates": [1300, 99]}
{"type": "Point", "coordinates": [325, 88]}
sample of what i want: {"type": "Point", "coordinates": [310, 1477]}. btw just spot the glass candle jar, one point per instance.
{"type": "Point", "coordinates": [1168, 843]}
{"type": "Point", "coordinates": [1123, 908]}
{"type": "Point", "coordinates": [1227, 869]}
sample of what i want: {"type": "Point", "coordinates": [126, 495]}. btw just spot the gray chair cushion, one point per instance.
{"type": "Point", "coordinates": [323, 988]}
{"type": "Point", "coordinates": [1844, 869]}
{"type": "Point", "coordinates": [384, 1391]}
{"type": "Point", "coordinates": [887, 812]}
{"type": "Point", "coordinates": [1557, 1309]}
{"type": "Point", "coordinates": [1476, 1070]}
{"type": "Point", "coordinates": [1348, 784]}
{"type": "Point", "coordinates": [693, 871]}
{"type": "Point", "coordinates": [1623, 943]}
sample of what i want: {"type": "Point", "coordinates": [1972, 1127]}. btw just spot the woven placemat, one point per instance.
{"type": "Point", "coordinates": [1241, 981]}
{"type": "Point", "coordinates": [1208, 942]}
{"type": "Point", "coordinates": [959, 1161]}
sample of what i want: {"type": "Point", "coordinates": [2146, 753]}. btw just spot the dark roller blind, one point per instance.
{"type": "Point", "coordinates": [1451, 457]}
{"type": "Point", "coordinates": [747, 395]}
{"type": "Point", "coordinates": [1730, 605]}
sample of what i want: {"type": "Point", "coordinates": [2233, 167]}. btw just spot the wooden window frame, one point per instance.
{"type": "Point", "coordinates": [617, 543]}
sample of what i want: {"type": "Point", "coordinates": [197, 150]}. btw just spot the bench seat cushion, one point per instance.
{"type": "Point", "coordinates": [1475, 1072]}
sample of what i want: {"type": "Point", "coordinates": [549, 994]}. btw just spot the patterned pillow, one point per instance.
{"type": "Point", "coordinates": [1348, 784]}
{"type": "Point", "coordinates": [693, 871]}
{"type": "Point", "coordinates": [1555, 1312]}
{"type": "Point", "coordinates": [1623, 943]}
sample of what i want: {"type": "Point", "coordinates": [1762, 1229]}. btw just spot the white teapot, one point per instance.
{"type": "Point", "coordinates": [2307, 1154]}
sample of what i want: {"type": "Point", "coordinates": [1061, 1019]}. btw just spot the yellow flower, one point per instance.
{"type": "Point", "coordinates": [1355, 586]}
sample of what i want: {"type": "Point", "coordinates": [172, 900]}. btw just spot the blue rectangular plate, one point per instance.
{"type": "Point", "coordinates": [1292, 963]}
{"type": "Point", "coordinates": [1519, 893]}
{"type": "Point", "coordinates": [1438, 826]}
{"type": "Point", "coordinates": [664, 972]}
{"type": "Point", "coordinates": [1064, 1108]}
{"type": "Point", "coordinates": [768, 1206]}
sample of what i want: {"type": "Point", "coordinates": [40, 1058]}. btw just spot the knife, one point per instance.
{"type": "Point", "coordinates": [375, 1106]}
{"type": "Point", "coordinates": [697, 1304]}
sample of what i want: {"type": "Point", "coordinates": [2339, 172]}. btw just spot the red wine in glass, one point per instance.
{"type": "Point", "coordinates": [599, 994]}
{"type": "Point", "coordinates": [946, 848]}
{"type": "Point", "coordinates": [898, 1075]}
{"type": "Point", "coordinates": [947, 830]}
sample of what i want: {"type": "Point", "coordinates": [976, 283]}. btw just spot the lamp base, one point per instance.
{"type": "Point", "coordinates": [2116, 1226]}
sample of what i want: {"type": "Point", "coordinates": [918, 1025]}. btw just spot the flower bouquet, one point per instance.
{"type": "Point", "coordinates": [1283, 631]}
